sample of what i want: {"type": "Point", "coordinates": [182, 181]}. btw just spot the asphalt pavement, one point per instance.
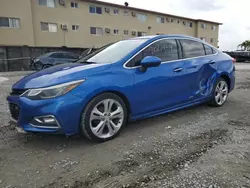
{"type": "Point", "coordinates": [199, 147]}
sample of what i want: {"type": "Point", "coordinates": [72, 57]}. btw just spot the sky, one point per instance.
{"type": "Point", "coordinates": [234, 14]}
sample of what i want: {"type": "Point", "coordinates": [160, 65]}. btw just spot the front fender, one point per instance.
{"type": "Point", "coordinates": [108, 82]}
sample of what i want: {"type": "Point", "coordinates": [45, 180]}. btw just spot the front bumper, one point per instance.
{"type": "Point", "coordinates": [66, 110]}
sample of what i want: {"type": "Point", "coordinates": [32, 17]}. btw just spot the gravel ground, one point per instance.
{"type": "Point", "coordinates": [199, 147]}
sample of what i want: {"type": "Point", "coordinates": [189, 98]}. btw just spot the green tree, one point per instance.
{"type": "Point", "coordinates": [245, 45]}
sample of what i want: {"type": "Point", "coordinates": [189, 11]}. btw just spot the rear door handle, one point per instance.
{"type": "Point", "coordinates": [178, 69]}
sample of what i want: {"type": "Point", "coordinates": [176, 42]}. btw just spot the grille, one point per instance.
{"type": "Point", "coordinates": [14, 111]}
{"type": "Point", "coordinates": [17, 92]}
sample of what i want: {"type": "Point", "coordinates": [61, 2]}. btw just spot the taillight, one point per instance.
{"type": "Point", "coordinates": [234, 60]}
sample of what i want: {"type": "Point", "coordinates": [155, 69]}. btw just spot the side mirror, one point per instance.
{"type": "Point", "coordinates": [150, 61]}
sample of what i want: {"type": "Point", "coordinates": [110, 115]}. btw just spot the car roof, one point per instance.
{"type": "Point", "coordinates": [152, 38]}
{"type": "Point", "coordinates": [165, 36]}
{"type": "Point", "coordinates": [50, 53]}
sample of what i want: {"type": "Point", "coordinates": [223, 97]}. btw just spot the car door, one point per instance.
{"type": "Point", "coordinates": [200, 67]}
{"type": "Point", "coordinates": [159, 88]}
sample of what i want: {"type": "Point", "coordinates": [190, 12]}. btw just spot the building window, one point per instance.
{"type": "Point", "coordinates": [139, 34]}
{"type": "Point", "coordinates": [214, 27]}
{"type": "Point", "coordinates": [75, 27]}
{"type": "Point", "coordinates": [116, 31]}
{"type": "Point", "coordinates": [203, 26]}
{"type": "Point", "coordinates": [107, 10]}
{"type": "Point", "coordinates": [190, 24]}
{"type": "Point", "coordinates": [178, 21]}
{"type": "Point", "coordinates": [50, 27]}
{"type": "Point", "coordinates": [116, 11]}
{"type": "Point", "coordinates": [74, 5]}
{"type": "Point", "coordinates": [172, 20]}
{"type": "Point", "coordinates": [141, 17]}
{"type": "Point", "coordinates": [160, 20]}
{"type": "Point", "coordinates": [9, 22]}
{"type": "Point", "coordinates": [96, 31]}
{"type": "Point", "coordinates": [95, 10]}
{"type": "Point", "coordinates": [212, 40]}
{"type": "Point", "coordinates": [203, 38]}
{"type": "Point", "coordinates": [47, 3]}
{"type": "Point", "coordinates": [126, 32]}
{"type": "Point", "coordinates": [126, 13]}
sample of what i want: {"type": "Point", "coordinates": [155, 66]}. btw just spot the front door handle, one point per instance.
{"type": "Point", "coordinates": [211, 62]}
{"type": "Point", "coordinates": [178, 69]}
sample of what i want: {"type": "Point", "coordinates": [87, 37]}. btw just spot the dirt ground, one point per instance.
{"type": "Point", "coordinates": [199, 147]}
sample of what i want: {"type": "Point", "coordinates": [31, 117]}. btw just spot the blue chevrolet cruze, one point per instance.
{"type": "Point", "coordinates": [128, 80]}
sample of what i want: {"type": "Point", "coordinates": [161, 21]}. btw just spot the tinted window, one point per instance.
{"type": "Point", "coordinates": [57, 55]}
{"type": "Point", "coordinates": [192, 48]}
{"type": "Point", "coordinates": [92, 9]}
{"type": "Point", "coordinates": [4, 22]}
{"type": "Point", "coordinates": [166, 50]}
{"type": "Point", "coordinates": [208, 49]}
{"type": "Point", "coordinates": [98, 10]}
{"type": "Point", "coordinates": [69, 56]}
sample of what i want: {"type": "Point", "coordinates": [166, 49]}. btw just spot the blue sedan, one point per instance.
{"type": "Point", "coordinates": [128, 80]}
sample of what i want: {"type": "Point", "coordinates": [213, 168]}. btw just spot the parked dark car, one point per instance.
{"type": "Point", "coordinates": [51, 59]}
{"type": "Point", "coordinates": [240, 56]}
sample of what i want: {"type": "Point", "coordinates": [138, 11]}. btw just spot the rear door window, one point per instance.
{"type": "Point", "coordinates": [208, 49]}
{"type": "Point", "coordinates": [69, 56]}
{"type": "Point", "coordinates": [57, 55]}
{"type": "Point", "coordinates": [192, 48]}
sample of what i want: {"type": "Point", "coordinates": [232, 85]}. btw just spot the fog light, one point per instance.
{"type": "Point", "coordinates": [48, 122]}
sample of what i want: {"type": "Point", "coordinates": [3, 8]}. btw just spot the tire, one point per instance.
{"type": "Point", "coordinates": [220, 89]}
{"type": "Point", "coordinates": [38, 66]}
{"type": "Point", "coordinates": [47, 66]}
{"type": "Point", "coordinates": [103, 126]}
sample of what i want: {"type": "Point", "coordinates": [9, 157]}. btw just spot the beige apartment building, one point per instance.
{"type": "Point", "coordinates": [88, 23]}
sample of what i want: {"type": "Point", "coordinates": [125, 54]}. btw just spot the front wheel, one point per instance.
{"type": "Point", "coordinates": [37, 66]}
{"type": "Point", "coordinates": [103, 117]}
{"type": "Point", "coordinates": [47, 66]}
{"type": "Point", "coordinates": [220, 93]}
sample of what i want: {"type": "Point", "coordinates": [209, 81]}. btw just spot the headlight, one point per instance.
{"type": "Point", "coordinates": [36, 60]}
{"type": "Point", "coordinates": [51, 92]}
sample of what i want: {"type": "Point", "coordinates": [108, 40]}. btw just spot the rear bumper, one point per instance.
{"type": "Point", "coordinates": [232, 80]}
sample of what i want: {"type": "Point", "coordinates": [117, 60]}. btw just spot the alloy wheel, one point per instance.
{"type": "Point", "coordinates": [221, 92]}
{"type": "Point", "coordinates": [106, 118]}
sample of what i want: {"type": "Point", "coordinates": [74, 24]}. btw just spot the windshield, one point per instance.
{"type": "Point", "coordinates": [112, 52]}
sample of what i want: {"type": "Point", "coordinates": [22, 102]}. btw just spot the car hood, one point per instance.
{"type": "Point", "coordinates": [59, 74]}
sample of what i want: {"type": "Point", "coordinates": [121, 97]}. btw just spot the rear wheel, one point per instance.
{"type": "Point", "coordinates": [220, 93]}
{"type": "Point", "coordinates": [104, 117]}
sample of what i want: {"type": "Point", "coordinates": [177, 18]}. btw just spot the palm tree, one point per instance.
{"type": "Point", "coordinates": [245, 45]}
